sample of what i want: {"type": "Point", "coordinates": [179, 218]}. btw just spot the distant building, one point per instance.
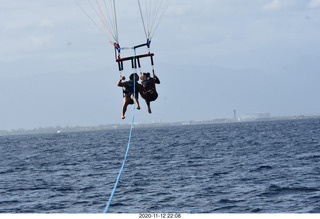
{"type": "Point", "coordinates": [255, 116]}
{"type": "Point", "coordinates": [235, 115]}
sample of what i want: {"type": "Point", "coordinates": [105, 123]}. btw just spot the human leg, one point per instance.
{"type": "Point", "coordinates": [126, 102]}
{"type": "Point", "coordinates": [136, 101]}
{"type": "Point", "coordinates": [149, 108]}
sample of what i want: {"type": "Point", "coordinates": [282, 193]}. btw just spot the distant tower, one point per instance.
{"type": "Point", "coordinates": [234, 115]}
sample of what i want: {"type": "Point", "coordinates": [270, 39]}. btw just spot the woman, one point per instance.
{"type": "Point", "coordinates": [148, 91]}
{"type": "Point", "coordinates": [130, 92]}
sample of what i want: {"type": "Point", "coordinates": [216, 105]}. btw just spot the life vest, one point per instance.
{"type": "Point", "coordinates": [149, 84]}
{"type": "Point", "coordinates": [129, 87]}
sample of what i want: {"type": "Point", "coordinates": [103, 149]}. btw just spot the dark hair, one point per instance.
{"type": "Point", "coordinates": [132, 75]}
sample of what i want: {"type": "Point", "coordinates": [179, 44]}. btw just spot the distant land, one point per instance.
{"type": "Point", "coordinates": [58, 129]}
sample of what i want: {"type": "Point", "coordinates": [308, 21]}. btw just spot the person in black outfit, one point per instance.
{"type": "Point", "coordinates": [148, 90]}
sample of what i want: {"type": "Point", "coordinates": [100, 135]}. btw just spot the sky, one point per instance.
{"type": "Point", "coordinates": [212, 57]}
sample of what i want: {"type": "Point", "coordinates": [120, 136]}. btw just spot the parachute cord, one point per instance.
{"type": "Point", "coordinates": [129, 141]}
{"type": "Point", "coordinates": [152, 16]}
{"type": "Point", "coordinates": [104, 25]}
{"type": "Point", "coordinates": [123, 89]}
{"type": "Point", "coordinates": [116, 21]}
{"type": "Point", "coordinates": [88, 15]}
{"type": "Point", "coordinates": [144, 26]}
{"type": "Point", "coordinates": [165, 7]}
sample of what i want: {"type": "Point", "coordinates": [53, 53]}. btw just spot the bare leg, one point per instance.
{"type": "Point", "coordinates": [144, 96]}
{"type": "Point", "coordinates": [124, 107]}
{"type": "Point", "coordinates": [136, 101]}
{"type": "Point", "coordinates": [149, 108]}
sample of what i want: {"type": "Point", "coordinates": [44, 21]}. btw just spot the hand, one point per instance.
{"type": "Point", "coordinates": [123, 78]}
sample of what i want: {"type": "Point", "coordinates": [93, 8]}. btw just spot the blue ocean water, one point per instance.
{"type": "Point", "coordinates": [253, 167]}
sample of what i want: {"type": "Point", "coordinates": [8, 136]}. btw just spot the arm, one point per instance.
{"type": "Point", "coordinates": [156, 79]}
{"type": "Point", "coordinates": [120, 83]}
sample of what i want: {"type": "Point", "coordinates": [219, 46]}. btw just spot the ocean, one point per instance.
{"type": "Point", "coordinates": [247, 167]}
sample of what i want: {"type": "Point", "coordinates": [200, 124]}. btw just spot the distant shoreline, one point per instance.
{"type": "Point", "coordinates": [58, 129]}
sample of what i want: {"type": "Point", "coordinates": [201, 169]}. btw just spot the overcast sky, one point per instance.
{"type": "Point", "coordinates": [212, 56]}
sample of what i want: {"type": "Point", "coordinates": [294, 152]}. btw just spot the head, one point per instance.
{"type": "Point", "coordinates": [134, 76]}
{"type": "Point", "coordinates": [145, 75]}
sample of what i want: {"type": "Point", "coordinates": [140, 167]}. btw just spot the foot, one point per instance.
{"type": "Point", "coordinates": [149, 110]}
{"type": "Point", "coordinates": [138, 107]}
{"type": "Point", "coordinates": [123, 117]}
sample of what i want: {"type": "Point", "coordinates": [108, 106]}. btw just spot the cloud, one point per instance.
{"type": "Point", "coordinates": [284, 4]}
{"type": "Point", "coordinates": [274, 5]}
{"type": "Point", "coordinates": [314, 4]}
{"type": "Point", "coordinates": [40, 40]}
{"type": "Point", "coordinates": [46, 23]}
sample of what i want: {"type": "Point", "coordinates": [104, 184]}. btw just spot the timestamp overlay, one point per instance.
{"type": "Point", "coordinates": [160, 215]}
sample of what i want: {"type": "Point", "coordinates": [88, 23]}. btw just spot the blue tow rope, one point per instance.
{"type": "Point", "coordinates": [124, 161]}
{"type": "Point", "coordinates": [125, 157]}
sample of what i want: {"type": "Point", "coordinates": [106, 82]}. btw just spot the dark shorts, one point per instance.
{"type": "Point", "coordinates": [151, 95]}
{"type": "Point", "coordinates": [128, 95]}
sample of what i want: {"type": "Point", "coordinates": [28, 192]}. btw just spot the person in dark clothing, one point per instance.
{"type": "Point", "coordinates": [148, 91]}
{"type": "Point", "coordinates": [131, 89]}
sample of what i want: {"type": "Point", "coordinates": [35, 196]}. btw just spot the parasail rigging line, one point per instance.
{"type": "Point", "coordinates": [104, 25]}
{"type": "Point", "coordinates": [84, 11]}
{"type": "Point", "coordinates": [162, 13]}
{"type": "Point", "coordinates": [112, 18]}
{"type": "Point", "coordinates": [109, 28]}
{"type": "Point", "coordinates": [151, 14]}
{"type": "Point", "coordinates": [144, 26]}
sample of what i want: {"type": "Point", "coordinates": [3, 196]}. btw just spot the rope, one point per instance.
{"type": "Point", "coordinates": [88, 15]}
{"type": "Point", "coordinates": [128, 147]}
{"type": "Point", "coordinates": [109, 25]}
{"type": "Point", "coordinates": [115, 20]}
{"type": "Point", "coordinates": [104, 25]}
{"type": "Point", "coordinates": [144, 26]}
{"type": "Point", "coordinates": [165, 7]}
{"type": "Point", "coordinates": [152, 15]}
